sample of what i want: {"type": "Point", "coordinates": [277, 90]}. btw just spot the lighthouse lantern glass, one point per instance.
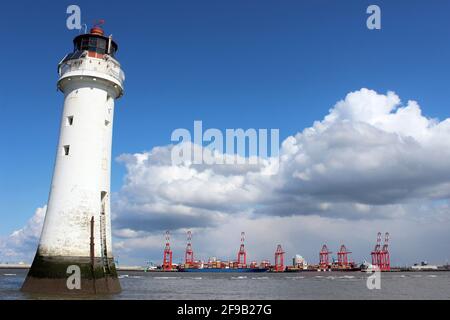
{"type": "Point", "coordinates": [94, 43]}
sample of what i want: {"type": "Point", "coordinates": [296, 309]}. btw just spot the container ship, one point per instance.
{"type": "Point", "coordinates": [215, 265]}
{"type": "Point", "coordinates": [227, 270]}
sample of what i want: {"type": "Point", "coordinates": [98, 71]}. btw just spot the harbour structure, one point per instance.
{"type": "Point", "coordinates": [76, 235]}
{"type": "Point", "coordinates": [189, 254]}
{"type": "Point", "coordinates": [216, 265]}
{"type": "Point", "coordinates": [385, 256]}
{"type": "Point", "coordinates": [326, 261]}
{"type": "Point", "coordinates": [242, 254]}
{"type": "Point", "coordinates": [380, 254]}
{"type": "Point", "coordinates": [299, 262]}
{"type": "Point", "coordinates": [279, 259]}
{"type": "Point", "coordinates": [264, 264]}
{"type": "Point", "coordinates": [344, 263]}
{"type": "Point", "coordinates": [167, 258]}
{"type": "Point", "coordinates": [324, 258]}
{"type": "Point", "coordinates": [376, 252]}
{"type": "Point", "coordinates": [343, 260]}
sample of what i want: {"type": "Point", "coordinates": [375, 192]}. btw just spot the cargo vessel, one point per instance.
{"type": "Point", "coordinates": [222, 270]}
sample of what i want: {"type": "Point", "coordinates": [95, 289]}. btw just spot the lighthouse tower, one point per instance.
{"type": "Point", "coordinates": [74, 254]}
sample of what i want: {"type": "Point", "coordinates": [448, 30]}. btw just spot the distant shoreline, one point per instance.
{"type": "Point", "coordinates": [27, 266]}
{"type": "Point", "coordinates": [14, 266]}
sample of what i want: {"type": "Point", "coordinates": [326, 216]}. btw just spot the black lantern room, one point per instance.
{"type": "Point", "coordinates": [95, 43]}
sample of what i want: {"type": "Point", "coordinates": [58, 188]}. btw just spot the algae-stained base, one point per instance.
{"type": "Point", "coordinates": [48, 275]}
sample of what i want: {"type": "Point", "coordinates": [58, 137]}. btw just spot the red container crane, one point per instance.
{"type": "Point", "coordinates": [242, 254]}
{"type": "Point", "coordinates": [189, 254]}
{"type": "Point", "coordinates": [343, 261]}
{"type": "Point", "coordinates": [324, 255]}
{"type": "Point", "coordinates": [167, 261]}
{"type": "Point", "coordinates": [376, 253]}
{"type": "Point", "coordinates": [279, 259]}
{"type": "Point", "coordinates": [380, 255]}
{"type": "Point", "coordinates": [385, 261]}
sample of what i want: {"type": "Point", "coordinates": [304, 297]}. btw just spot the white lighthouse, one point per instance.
{"type": "Point", "coordinates": [77, 229]}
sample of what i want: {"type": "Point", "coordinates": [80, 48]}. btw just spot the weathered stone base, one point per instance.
{"type": "Point", "coordinates": [49, 275]}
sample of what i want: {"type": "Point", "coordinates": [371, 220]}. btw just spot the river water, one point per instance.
{"type": "Point", "coordinates": [286, 286]}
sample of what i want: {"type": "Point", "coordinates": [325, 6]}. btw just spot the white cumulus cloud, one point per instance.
{"type": "Point", "coordinates": [20, 245]}
{"type": "Point", "coordinates": [366, 156]}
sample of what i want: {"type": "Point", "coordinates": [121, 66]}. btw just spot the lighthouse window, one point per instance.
{"type": "Point", "coordinates": [84, 44]}
{"type": "Point", "coordinates": [69, 121]}
{"type": "Point", "coordinates": [101, 43]}
{"type": "Point", "coordinates": [107, 123]}
{"type": "Point", "coordinates": [92, 44]}
{"type": "Point", "coordinates": [66, 150]}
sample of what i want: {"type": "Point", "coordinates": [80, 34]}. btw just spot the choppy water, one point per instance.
{"type": "Point", "coordinates": [307, 285]}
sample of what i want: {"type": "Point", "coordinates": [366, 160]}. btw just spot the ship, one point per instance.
{"type": "Point", "coordinates": [222, 270]}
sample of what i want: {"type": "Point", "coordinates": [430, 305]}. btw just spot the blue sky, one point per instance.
{"type": "Point", "coordinates": [231, 64]}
